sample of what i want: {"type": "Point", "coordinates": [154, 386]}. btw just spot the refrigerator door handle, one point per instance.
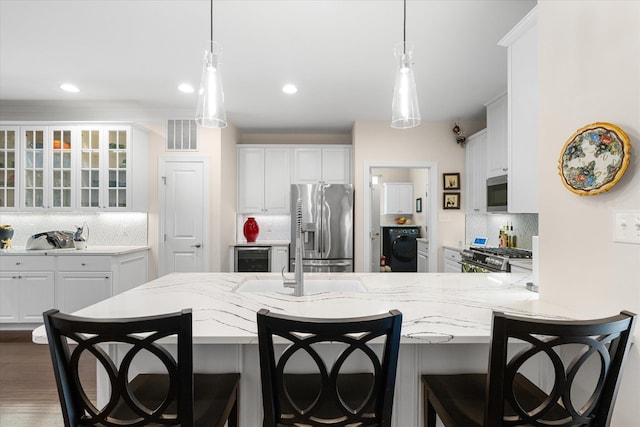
{"type": "Point", "coordinates": [326, 264]}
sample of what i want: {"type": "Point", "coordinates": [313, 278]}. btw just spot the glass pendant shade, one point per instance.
{"type": "Point", "coordinates": [405, 111]}
{"type": "Point", "coordinates": [211, 112]}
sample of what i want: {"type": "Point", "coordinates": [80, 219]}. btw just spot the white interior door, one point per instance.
{"type": "Point", "coordinates": [374, 228]}
{"type": "Point", "coordinates": [184, 224]}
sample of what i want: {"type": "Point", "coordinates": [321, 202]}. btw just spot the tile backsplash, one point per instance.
{"type": "Point", "coordinates": [524, 227]}
{"type": "Point", "coordinates": [105, 229]}
{"type": "Point", "coordinates": [272, 228]}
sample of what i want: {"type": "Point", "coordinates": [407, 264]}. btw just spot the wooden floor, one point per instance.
{"type": "Point", "coordinates": [28, 393]}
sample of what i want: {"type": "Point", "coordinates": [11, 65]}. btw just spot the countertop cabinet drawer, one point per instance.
{"type": "Point", "coordinates": [84, 263]}
{"type": "Point", "coordinates": [27, 263]}
{"type": "Point", "coordinates": [452, 255]}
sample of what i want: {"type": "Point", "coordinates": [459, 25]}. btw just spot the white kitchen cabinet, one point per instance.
{"type": "Point", "coordinates": [518, 269]}
{"type": "Point", "coordinates": [129, 270]}
{"type": "Point", "coordinates": [77, 290]}
{"type": "Point", "coordinates": [328, 163]}
{"type": "Point", "coordinates": [32, 284]}
{"type": "Point", "coordinates": [107, 178]}
{"type": "Point", "coordinates": [423, 256]}
{"type": "Point", "coordinates": [264, 179]}
{"type": "Point", "coordinates": [452, 259]}
{"type": "Point", "coordinates": [476, 173]}
{"type": "Point", "coordinates": [67, 167]}
{"type": "Point", "coordinates": [522, 82]}
{"type": "Point", "coordinates": [397, 198]}
{"type": "Point", "coordinates": [9, 172]}
{"type": "Point", "coordinates": [279, 259]}
{"type": "Point", "coordinates": [48, 167]}
{"type": "Point", "coordinates": [27, 289]}
{"type": "Point", "coordinates": [497, 156]}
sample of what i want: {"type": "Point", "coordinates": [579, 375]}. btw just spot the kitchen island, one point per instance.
{"type": "Point", "coordinates": [446, 321]}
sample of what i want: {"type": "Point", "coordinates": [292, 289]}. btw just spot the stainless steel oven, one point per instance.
{"type": "Point", "coordinates": [252, 259]}
{"type": "Point", "coordinates": [490, 260]}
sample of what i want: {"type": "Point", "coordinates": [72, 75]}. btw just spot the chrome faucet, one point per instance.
{"type": "Point", "coordinates": [297, 283]}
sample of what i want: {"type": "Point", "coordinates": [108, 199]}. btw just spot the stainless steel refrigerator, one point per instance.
{"type": "Point", "coordinates": [327, 227]}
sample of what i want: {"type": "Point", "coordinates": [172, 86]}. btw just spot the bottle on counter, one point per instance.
{"type": "Point", "coordinates": [512, 237]}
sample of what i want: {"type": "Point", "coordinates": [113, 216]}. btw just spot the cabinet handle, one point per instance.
{"type": "Point", "coordinates": [18, 263]}
{"type": "Point", "coordinates": [83, 264]}
{"type": "Point", "coordinates": [106, 277]}
{"type": "Point", "coordinates": [504, 169]}
{"type": "Point", "coordinates": [197, 245]}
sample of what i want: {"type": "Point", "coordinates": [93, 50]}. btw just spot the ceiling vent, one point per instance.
{"type": "Point", "coordinates": [182, 135]}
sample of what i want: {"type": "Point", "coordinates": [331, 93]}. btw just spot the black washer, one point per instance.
{"type": "Point", "coordinates": [400, 248]}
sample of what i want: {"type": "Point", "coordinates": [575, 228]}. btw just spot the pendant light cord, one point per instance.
{"type": "Point", "coordinates": [211, 17]}
{"type": "Point", "coordinates": [404, 29]}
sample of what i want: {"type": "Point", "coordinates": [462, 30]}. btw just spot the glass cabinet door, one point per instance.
{"type": "Point", "coordinates": [8, 164]}
{"type": "Point", "coordinates": [90, 168]}
{"type": "Point", "coordinates": [61, 168]}
{"type": "Point", "coordinates": [34, 179]}
{"type": "Point", "coordinates": [117, 168]}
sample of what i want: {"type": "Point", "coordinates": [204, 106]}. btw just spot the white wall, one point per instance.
{"type": "Point", "coordinates": [219, 146]}
{"type": "Point", "coordinates": [590, 71]}
{"type": "Point", "coordinates": [431, 141]}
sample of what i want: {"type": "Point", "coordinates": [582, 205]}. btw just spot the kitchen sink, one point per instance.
{"type": "Point", "coordinates": [313, 286]}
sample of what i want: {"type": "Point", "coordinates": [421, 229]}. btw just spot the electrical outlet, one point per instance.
{"type": "Point", "coordinates": [627, 227]}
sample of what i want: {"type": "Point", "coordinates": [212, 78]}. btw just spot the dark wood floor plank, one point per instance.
{"type": "Point", "coordinates": [28, 393]}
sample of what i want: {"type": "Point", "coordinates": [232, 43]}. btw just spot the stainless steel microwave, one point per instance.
{"type": "Point", "coordinates": [497, 194]}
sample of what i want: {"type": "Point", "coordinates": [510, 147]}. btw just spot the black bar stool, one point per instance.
{"type": "Point", "coordinates": [176, 398]}
{"type": "Point", "coordinates": [506, 397]}
{"type": "Point", "coordinates": [328, 397]}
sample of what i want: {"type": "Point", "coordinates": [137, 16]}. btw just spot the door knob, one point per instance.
{"type": "Point", "coordinates": [197, 245]}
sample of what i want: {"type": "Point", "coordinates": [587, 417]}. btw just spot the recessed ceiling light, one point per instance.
{"type": "Point", "coordinates": [289, 88]}
{"type": "Point", "coordinates": [185, 88]}
{"type": "Point", "coordinates": [68, 87]}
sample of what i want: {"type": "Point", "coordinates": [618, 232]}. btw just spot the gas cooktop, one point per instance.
{"type": "Point", "coordinates": [512, 253]}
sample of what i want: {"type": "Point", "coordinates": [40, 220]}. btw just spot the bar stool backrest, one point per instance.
{"type": "Point", "coordinates": [569, 346]}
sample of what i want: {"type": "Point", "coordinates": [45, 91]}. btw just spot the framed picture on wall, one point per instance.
{"type": "Point", "coordinates": [419, 204]}
{"type": "Point", "coordinates": [451, 181]}
{"type": "Point", "coordinates": [451, 201]}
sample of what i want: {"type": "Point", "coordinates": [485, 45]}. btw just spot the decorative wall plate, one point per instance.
{"type": "Point", "coordinates": [594, 158]}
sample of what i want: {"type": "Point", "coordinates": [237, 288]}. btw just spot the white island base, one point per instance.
{"type": "Point", "coordinates": [446, 323]}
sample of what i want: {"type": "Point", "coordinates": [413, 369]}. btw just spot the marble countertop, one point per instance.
{"type": "Point", "coordinates": [263, 243]}
{"type": "Point", "coordinates": [524, 263]}
{"type": "Point", "coordinates": [436, 307]}
{"type": "Point", "coordinates": [90, 250]}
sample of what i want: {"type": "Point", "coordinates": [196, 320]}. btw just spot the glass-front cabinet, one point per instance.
{"type": "Point", "coordinates": [103, 168]}
{"type": "Point", "coordinates": [33, 153]}
{"type": "Point", "coordinates": [90, 168]}
{"type": "Point", "coordinates": [62, 169]}
{"type": "Point", "coordinates": [71, 167]}
{"type": "Point", "coordinates": [47, 158]}
{"type": "Point", "coordinates": [117, 168]}
{"type": "Point", "coordinates": [9, 137]}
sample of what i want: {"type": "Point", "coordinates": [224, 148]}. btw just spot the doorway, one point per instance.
{"type": "Point", "coordinates": [183, 209]}
{"type": "Point", "coordinates": [371, 217]}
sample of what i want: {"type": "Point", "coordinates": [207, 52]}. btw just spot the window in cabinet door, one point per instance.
{"type": "Point", "coordinates": [90, 168]}
{"type": "Point", "coordinates": [61, 168]}
{"type": "Point", "coordinates": [117, 168]}
{"type": "Point", "coordinates": [34, 153]}
{"type": "Point", "coordinates": [8, 157]}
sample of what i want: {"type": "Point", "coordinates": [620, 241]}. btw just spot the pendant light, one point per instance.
{"type": "Point", "coordinates": [405, 111]}
{"type": "Point", "coordinates": [211, 112]}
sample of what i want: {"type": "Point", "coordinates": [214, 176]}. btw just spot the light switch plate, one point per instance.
{"type": "Point", "coordinates": [626, 227]}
